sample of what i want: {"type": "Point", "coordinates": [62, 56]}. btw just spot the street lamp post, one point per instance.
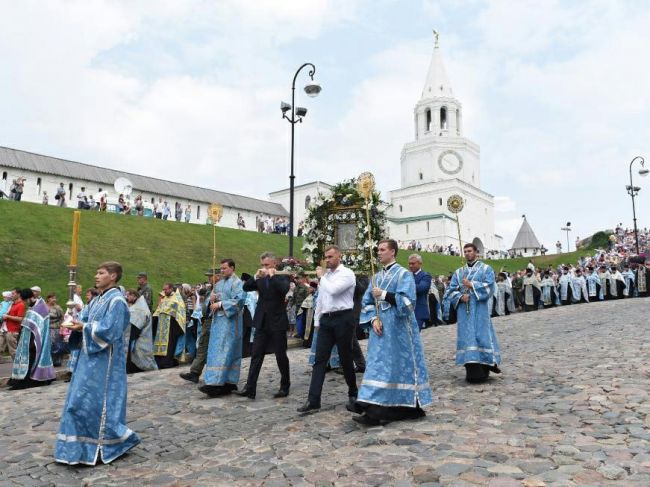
{"type": "Point", "coordinates": [567, 229]}
{"type": "Point", "coordinates": [297, 114]}
{"type": "Point", "coordinates": [633, 191]}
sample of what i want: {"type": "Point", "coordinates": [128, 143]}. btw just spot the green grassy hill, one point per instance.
{"type": "Point", "coordinates": [35, 248]}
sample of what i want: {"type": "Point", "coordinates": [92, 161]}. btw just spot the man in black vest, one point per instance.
{"type": "Point", "coordinates": [270, 324]}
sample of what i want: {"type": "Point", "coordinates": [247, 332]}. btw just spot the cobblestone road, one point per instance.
{"type": "Point", "coordinates": [571, 408]}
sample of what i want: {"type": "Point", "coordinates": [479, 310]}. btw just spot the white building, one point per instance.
{"type": "Point", "coordinates": [304, 194]}
{"type": "Point", "coordinates": [438, 163]}
{"type": "Point", "coordinates": [45, 173]}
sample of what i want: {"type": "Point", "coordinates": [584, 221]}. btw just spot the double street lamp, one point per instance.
{"type": "Point", "coordinates": [297, 114]}
{"type": "Point", "coordinates": [633, 191]}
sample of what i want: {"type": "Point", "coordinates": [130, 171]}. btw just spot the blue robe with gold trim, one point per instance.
{"type": "Point", "coordinates": [476, 339]}
{"type": "Point", "coordinates": [36, 324]}
{"type": "Point", "coordinates": [225, 347]}
{"type": "Point", "coordinates": [94, 415]}
{"type": "Point", "coordinates": [396, 371]}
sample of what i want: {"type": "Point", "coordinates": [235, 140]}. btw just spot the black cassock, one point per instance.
{"type": "Point", "coordinates": [642, 272]}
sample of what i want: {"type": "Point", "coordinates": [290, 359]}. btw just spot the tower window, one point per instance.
{"type": "Point", "coordinates": [427, 114]}
{"type": "Point", "coordinates": [400, 208]}
{"type": "Point", "coordinates": [307, 201]}
{"type": "Point", "coordinates": [427, 226]}
{"type": "Point", "coordinates": [457, 121]}
{"type": "Point", "coordinates": [407, 229]}
{"type": "Point", "coordinates": [38, 183]}
{"type": "Point", "coordinates": [421, 176]}
{"type": "Point", "coordinates": [440, 201]}
{"type": "Point", "coordinates": [443, 118]}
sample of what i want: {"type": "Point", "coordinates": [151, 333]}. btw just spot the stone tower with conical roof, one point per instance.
{"type": "Point", "coordinates": [440, 162]}
{"type": "Point", "coordinates": [526, 243]}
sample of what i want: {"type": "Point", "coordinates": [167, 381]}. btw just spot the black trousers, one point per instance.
{"type": "Point", "coordinates": [357, 353]}
{"type": "Point", "coordinates": [335, 329]}
{"type": "Point", "coordinates": [264, 338]}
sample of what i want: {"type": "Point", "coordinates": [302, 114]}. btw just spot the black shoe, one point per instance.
{"type": "Point", "coordinates": [495, 368]}
{"type": "Point", "coordinates": [281, 393]}
{"type": "Point", "coordinates": [211, 391]}
{"type": "Point", "coordinates": [305, 408]}
{"type": "Point", "coordinates": [359, 370]}
{"type": "Point", "coordinates": [352, 405]}
{"type": "Point", "coordinates": [190, 376]}
{"type": "Point", "coordinates": [366, 420]}
{"type": "Point", "coordinates": [245, 393]}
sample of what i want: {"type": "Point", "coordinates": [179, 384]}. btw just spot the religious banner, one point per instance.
{"type": "Point", "coordinates": [340, 219]}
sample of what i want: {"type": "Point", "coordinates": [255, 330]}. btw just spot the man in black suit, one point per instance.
{"type": "Point", "coordinates": [270, 323]}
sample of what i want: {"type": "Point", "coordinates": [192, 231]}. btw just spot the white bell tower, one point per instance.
{"type": "Point", "coordinates": [438, 163]}
{"type": "Point", "coordinates": [439, 150]}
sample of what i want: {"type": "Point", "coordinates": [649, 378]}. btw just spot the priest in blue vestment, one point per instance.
{"type": "Point", "coordinates": [225, 346]}
{"type": "Point", "coordinates": [594, 289]}
{"type": "Point", "coordinates": [93, 423]}
{"type": "Point", "coordinates": [469, 291]}
{"type": "Point", "coordinates": [395, 384]}
{"type": "Point", "coordinates": [33, 361]}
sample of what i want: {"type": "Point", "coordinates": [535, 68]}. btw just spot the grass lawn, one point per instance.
{"type": "Point", "coordinates": [35, 248]}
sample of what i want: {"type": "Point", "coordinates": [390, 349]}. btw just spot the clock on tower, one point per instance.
{"type": "Point", "coordinates": [450, 162]}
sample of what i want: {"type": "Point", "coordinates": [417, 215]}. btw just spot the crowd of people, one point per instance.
{"type": "Point", "coordinates": [217, 323]}
{"type": "Point", "coordinates": [269, 224]}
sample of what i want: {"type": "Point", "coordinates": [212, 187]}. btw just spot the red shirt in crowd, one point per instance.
{"type": "Point", "coordinates": [17, 309]}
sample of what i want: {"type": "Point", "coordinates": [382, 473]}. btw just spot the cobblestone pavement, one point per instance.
{"type": "Point", "coordinates": [571, 408]}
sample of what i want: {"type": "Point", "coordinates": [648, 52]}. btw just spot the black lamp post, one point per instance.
{"type": "Point", "coordinates": [297, 114]}
{"type": "Point", "coordinates": [567, 229]}
{"type": "Point", "coordinates": [633, 191]}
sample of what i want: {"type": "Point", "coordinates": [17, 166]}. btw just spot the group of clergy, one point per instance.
{"type": "Point", "coordinates": [533, 289]}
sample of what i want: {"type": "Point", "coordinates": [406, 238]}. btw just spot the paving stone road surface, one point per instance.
{"type": "Point", "coordinates": [571, 408]}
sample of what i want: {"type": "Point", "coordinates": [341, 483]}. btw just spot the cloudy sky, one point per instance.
{"type": "Point", "coordinates": [557, 94]}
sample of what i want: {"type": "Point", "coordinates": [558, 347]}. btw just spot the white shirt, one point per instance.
{"type": "Point", "coordinates": [335, 292]}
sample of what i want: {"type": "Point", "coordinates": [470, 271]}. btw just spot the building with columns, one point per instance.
{"type": "Point", "coordinates": [438, 163]}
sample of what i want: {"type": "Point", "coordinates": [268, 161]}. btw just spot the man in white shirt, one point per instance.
{"type": "Point", "coordinates": [334, 317]}
{"type": "Point", "coordinates": [82, 199]}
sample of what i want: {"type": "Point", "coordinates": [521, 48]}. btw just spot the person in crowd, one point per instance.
{"type": "Point", "coordinates": [36, 292]}
{"type": "Point", "coordinates": [518, 290]}
{"type": "Point", "coordinates": [196, 368]}
{"type": "Point", "coordinates": [395, 384]}
{"type": "Point", "coordinates": [57, 344]}
{"type": "Point", "coordinates": [145, 289]}
{"type": "Point", "coordinates": [270, 323]}
{"type": "Point", "coordinates": [248, 314]}
{"type": "Point", "coordinates": [566, 286]}
{"type": "Point", "coordinates": [422, 288]}
{"type": "Point", "coordinates": [618, 287]}
{"type": "Point", "coordinates": [60, 196]}
{"type": "Point", "coordinates": [169, 324]}
{"type": "Point", "coordinates": [188, 213]}
{"type": "Point", "coordinates": [300, 293]}
{"type": "Point", "coordinates": [93, 423]}
{"type": "Point", "coordinates": [532, 290]}
{"type": "Point", "coordinates": [178, 211]}
{"type": "Point", "coordinates": [11, 323]}
{"type": "Point", "coordinates": [641, 276]}
{"type": "Point", "coordinates": [166, 211]}
{"type": "Point", "coordinates": [82, 199]}
{"type": "Point", "coordinates": [5, 304]}
{"type": "Point", "coordinates": [46, 198]}
{"type": "Point", "coordinates": [102, 199]}
{"type": "Point", "coordinates": [92, 204]}
{"type": "Point", "coordinates": [157, 209]}
{"type": "Point", "coordinates": [361, 284]}
{"type": "Point", "coordinates": [502, 302]}
{"type": "Point", "coordinates": [138, 340]}
{"type": "Point", "coordinates": [33, 360]}
{"type": "Point", "coordinates": [550, 297]}
{"type": "Point", "coordinates": [225, 346]}
{"type": "Point", "coordinates": [477, 347]}
{"type": "Point", "coordinates": [579, 288]}
{"type": "Point", "coordinates": [594, 289]}
{"type": "Point", "coordinates": [628, 279]}
{"type": "Point", "coordinates": [139, 206]}
{"type": "Point", "coordinates": [334, 318]}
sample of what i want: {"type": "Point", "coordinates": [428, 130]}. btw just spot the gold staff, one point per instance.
{"type": "Point", "coordinates": [455, 205]}
{"type": "Point", "coordinates": [72, 268]}
{"type": "Point", "coordinates": [365, 187]}
{"type": "Point", "coordinates": [215, 211]}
